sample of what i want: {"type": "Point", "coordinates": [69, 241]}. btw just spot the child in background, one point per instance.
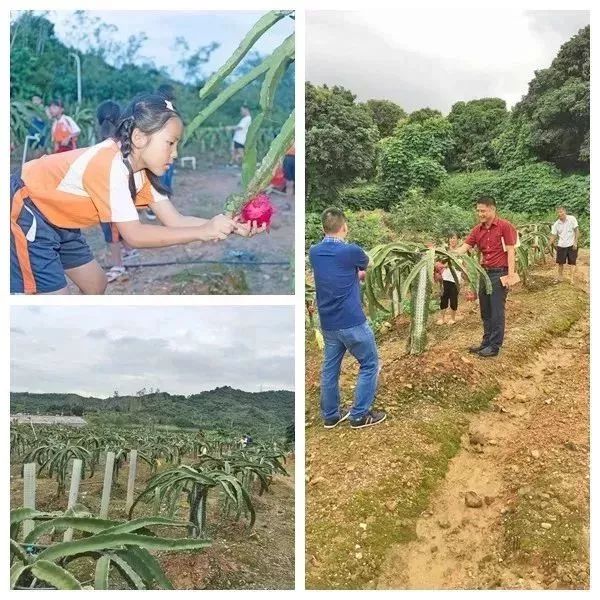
{"type": "Point", "coordinates": [64, 130]}
{"type": "Point", "coordinates": [108, 114]}
{"type": "Point", "coordinates": [240, 131]}
{"type": "Point", "coordinates": [58, 194]}
{"type": "Point", "coordinates": [449, 287]}
{"type": "Point", "coordinates": [39, 126]}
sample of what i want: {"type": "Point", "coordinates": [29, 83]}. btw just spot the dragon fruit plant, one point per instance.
{"type": "Point", "coordinates": [252, 204]}
{"type": "Point", "coordinates": [401, 272]}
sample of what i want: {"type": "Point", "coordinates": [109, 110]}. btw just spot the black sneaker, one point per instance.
{"type": "Point", "coordinates": [488, 352]}
{"type": "Point", "coordinates": [371, 418]}
{"type": "Point", "coordinates": [331, 423]}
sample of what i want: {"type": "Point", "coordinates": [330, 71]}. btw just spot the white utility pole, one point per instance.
{"type": "Point", "coordinates": [78, 65]}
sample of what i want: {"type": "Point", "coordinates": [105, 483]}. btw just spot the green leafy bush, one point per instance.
{"type": "Point", "coordinates": [422, 215]}
{"type": "Point", "coordinates": [535, 188]}
{"type": "Point", "coordinates": [414, 156]}
{"type": "Point", "coordinates": [462, 189]}
{"type": "Point", "coordinates": [540, 187]}
{"type": "Point", "coordinates": [313, 230]}
{"type": "Point", "coordinates": [386, 115]}
{"type": "Point", "coordinates": [368, 228]}
{"type": "Point", "coordinates": [367, 196]}
{"type": "Point", "coordinates": [475, 124]}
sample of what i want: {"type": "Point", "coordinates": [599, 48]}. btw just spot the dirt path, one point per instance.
{"type": "Point", "coordinates": [386, 508]}
{"type": "Point", "coordinates": [539, 431]}
{"type": "Point", "coordinates": [202, 193]}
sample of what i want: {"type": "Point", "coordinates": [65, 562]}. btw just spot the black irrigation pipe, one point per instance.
{"type": "Point", "coordinates": [248, 263]}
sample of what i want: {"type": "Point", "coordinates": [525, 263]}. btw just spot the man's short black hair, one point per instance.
{"type": "Point", "coordinates": [57, 102]}
{"type": "Point", "coordinates": [561, 206]}
{"type": "Point", "coordinates": [333, 219]}
{"type": "Point", "coordinates": [486, 201]}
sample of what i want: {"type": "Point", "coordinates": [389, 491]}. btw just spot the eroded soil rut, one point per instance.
{"type": "Point", "coordinates": [465, 547]}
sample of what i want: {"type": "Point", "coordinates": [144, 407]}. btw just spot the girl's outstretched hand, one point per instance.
{"type": "Point", "coordinates": [219, 227]}
{"type": "Point", "coordinates": [249, 228]}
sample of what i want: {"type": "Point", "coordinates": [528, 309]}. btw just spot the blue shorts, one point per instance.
{"type": "Point", "coordinates": [111, 233]}
{"type": "Point", "coordinates": [39, 251]}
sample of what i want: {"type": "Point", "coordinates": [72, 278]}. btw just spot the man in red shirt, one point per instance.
{"type": "Point", "coordinates": [495, 238]}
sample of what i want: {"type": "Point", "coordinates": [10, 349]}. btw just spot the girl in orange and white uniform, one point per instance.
{"type": "Point", "coordinates": [64, 129]}
{"type": "Point", "coordinates": [59, 194]}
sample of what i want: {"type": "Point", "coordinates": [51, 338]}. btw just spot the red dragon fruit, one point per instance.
{"type": "Point", "coordinates": [259, 209]}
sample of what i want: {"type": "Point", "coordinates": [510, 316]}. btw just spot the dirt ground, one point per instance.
{"type": "Point", "coordinates": [510, 436]}
{"type": "Point", "coordinates": [262, 558]}
{"type": "Point", "coordinates": [202, 193]}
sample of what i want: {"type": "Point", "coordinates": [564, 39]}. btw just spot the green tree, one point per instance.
{"type": "Point", "coordinates": [386, 115]}
{"type": "Point", "coordinates": [341, 142]}
{"type": "Point", "coordinates": [414, 156]}
{"type": "Point", "coordinates": [557, 106]}
{"type": "Point", "coordinates": [41, 65]}
{"type": "Point", "coordinates": [512, 146]}
{"type": "Point", "coordinates": [474, 125]}
{"type": "Point", "coordinates": [422, 114]}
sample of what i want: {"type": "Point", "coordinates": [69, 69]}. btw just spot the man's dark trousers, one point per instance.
{"type": "Point", "coordinates": [492, 309]}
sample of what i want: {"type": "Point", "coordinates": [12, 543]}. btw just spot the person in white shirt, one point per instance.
{"type": "Point", "coordinates": [565, 234]}
{"type": "Point", "coordinates": [240, 131]}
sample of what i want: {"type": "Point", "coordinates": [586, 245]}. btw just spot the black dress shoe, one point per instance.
{"type": "Point", "coordinates": [488, 352]}
{"type": "Point", "coordinates": [476, 349]}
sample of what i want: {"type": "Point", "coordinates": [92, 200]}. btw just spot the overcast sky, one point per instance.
{"type": "Point", "coordinates": [181, 350]}
{"type": "Point", "coordinates": [199, 28]}
{"type": "Point", "coordinates": [436, 57]}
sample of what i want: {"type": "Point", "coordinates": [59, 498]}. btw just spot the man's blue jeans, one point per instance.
{"type": "Point", "coordinates": [360, 342]}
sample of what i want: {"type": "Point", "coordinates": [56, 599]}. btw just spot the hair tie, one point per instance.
{"type": "Point", "coordinates": [169, 105]}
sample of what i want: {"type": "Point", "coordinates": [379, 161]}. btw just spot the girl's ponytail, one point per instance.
{"type": "Point", "coordinates": [123, 135]}
{"type": "Point", "coordinates": [108, 114]}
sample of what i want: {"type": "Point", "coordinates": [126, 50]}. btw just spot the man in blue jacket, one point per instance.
{"type": "Point", "coordinates": [336, 265]}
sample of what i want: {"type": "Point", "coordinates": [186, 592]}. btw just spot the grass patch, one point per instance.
{"type": "Point", "coordinates": [562, 545]}
{"type": "Point", "coordinates": [386, 514]}
{"type": "Point", "coordinates": [446, 391]}
{"type": "Point", "coordinates": [218, 281]}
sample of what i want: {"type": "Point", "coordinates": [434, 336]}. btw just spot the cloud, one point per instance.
{"type": "Point", "coordinates": [98, 334]}
{"type": "Point", "coordinates": [433, 58]}
{"type": "Point", "coordinates": [557, 24]}
{"type": "Point", "coordinates": [180, 350]}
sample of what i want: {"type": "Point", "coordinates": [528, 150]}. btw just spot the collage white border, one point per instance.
{"type": "Point", "coordinates": [397, 10]}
